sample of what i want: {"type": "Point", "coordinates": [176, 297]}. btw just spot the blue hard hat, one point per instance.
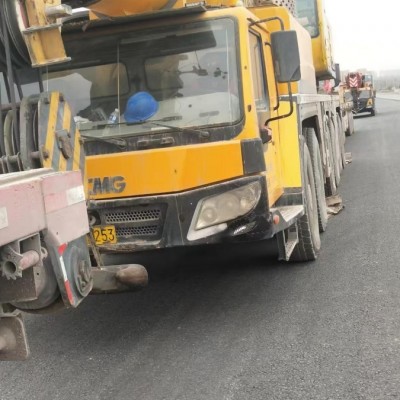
{"type": "Point", "coordinates": [140, 106]}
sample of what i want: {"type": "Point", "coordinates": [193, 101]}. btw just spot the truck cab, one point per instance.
{"type": "Point", "coordinates": [197, 153]}
{"type": "Point", "coordinates": [191, 123]}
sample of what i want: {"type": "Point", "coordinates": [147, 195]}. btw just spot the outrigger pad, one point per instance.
{"type": "Point", "coordinates": [13, 341]}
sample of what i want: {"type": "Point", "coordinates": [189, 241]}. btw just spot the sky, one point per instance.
{"type": "Point", "coordinates": [366, 33]}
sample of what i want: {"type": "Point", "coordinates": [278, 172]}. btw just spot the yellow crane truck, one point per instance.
{"type": "Point", "coordinates": [193, 122]}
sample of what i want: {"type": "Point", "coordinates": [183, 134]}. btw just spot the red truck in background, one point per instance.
{"type": "Point", "coordinates": [360, 88]}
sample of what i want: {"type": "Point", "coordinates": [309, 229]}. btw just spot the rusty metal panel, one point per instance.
{"type": "Point", "coordinates": [65, 202]}
{"type": "Point", "coordinates": [52, 203]}
{"type": "Point", "coordinates": [19, 196]}
{"type": "Point", "coordinates": [31, 202]}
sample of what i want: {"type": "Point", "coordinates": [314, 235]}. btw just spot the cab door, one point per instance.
{"type": "Point", "coordinates": [266, 98]}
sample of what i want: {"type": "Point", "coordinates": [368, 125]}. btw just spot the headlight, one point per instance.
{"type": "Point", "coordinates": [227, 206]}
{"type": "Point", "coordinates": [369, 103]}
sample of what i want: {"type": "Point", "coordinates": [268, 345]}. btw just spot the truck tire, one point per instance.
{"type": "Point", "coordinates": [48, 291]}
{"type": "Point", "coordinates": [342, 139]}
{"type": "Point", "coordinates": [315, 154]}
{"type": "Point", "coordinates": [57, 306]}
{"type": "Point", "coordinates": [336, 150]}
{"type": "Point", "coordinates": [350, 129]}
{"type": "Point", "coordinates": [309, 244]}
{"type": "Point", "coordinates": [373, 113]}
{"type": "Point", "coordinates": [330, 186]}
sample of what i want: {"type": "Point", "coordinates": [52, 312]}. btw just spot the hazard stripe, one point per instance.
{"type": "Point", "coordinates": [71, 160]}
{"type": "Point", "coordinates": [77, 150]}
{"type": "Point", "coordinates": [59, 126]}
{"type": "Point", "coordinates": [66, 282]}
{"type": "Point", "coordinates": [43, 124]}
{"type": "Point", "coordinates": [83, 167]}
{"type": "Point", "coordinates": [66, 123]}
{"type": "Point", "coordinates": [55, 116]}
{"type": "Point", "coordinates": [353, 82]}
{"type": "Point", "coordinates": [69, 293]}
{"type": "Point", "coordinates": [62, 248]}
{"type": "Point", "coordinates": [73, 163]}
{"type": "Point", "coordinates": [51, 127]}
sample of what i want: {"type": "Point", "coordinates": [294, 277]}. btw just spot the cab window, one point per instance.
{"type": "Point", "coordinates": [258, 72]}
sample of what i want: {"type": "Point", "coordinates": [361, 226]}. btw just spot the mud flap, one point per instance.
{"type": "Point", "coordinates": [72, 267]}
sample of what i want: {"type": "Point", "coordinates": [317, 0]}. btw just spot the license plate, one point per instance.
{"type": "Point", "coordinates": [104, 234]}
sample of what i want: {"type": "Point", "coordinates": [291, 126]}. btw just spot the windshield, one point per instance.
{"type": "Point", "coordinates": [185, 75]}
{"type": "Point", "coordinates": [308, 16]}
{"type": "Point", "coordinates": [365, 94]}
{"type": "Point", "coordinates": [368, 80]}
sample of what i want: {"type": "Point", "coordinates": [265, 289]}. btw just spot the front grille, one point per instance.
{"type": "Point", "coordinates": [152, 214]}
{"type": "Point", "coordinates": [135, 222]}
{"type": "Point", "coordinates": [126, 232]}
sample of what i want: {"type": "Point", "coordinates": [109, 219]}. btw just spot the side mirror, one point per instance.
{"type": "Point", "coordinates": [285, 50]}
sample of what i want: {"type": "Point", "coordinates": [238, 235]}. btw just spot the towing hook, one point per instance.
{"type": "Point", "coordinates": [119, 278]}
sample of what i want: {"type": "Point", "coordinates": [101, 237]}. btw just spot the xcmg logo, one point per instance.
{"type": "Point", "coordinates": [106, 185]}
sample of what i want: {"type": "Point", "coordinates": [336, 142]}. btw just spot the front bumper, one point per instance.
{"type": "Point", "coordinates": [363, 107]}
{"type": "Point", "coordinates": [151, 222]}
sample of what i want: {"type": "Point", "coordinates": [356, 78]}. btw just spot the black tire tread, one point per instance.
{"type": "Point", "coordinates": [336, 150]}
{"type": "Point", "coordinates": [342, 139]}
{"type": "Point", "coordinates": [313, 148]}
{"type": "Point", "coordinates": [330, 186]}
{"type": "Point", "coordinates": [306, 249]}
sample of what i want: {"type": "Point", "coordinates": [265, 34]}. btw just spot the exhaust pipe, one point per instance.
{"type": "Point", "coordinates": [119, 279]}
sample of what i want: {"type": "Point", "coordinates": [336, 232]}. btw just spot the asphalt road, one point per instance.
{"type": "Point", "coordinates": [235, 324]}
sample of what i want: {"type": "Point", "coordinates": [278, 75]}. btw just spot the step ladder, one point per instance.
{"type": "Point", "coordinates": [286, 229]}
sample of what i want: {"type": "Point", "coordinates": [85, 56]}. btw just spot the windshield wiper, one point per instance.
{"type": "Point", "coordinates": [199, 132]}
{"type": "Point", "coordinates": [166, 119]}
{"type": "Point", "coordinates": [157, 122]}
{"type": "Point", "coordinates": [104, 125]}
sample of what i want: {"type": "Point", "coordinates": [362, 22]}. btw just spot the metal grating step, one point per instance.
{"type": "Point", "coordinates": [290, 245]}
{"type": "Point", "coordinates": [288, 213]}
{"type": "Point", "coordinates": [287, 241]}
